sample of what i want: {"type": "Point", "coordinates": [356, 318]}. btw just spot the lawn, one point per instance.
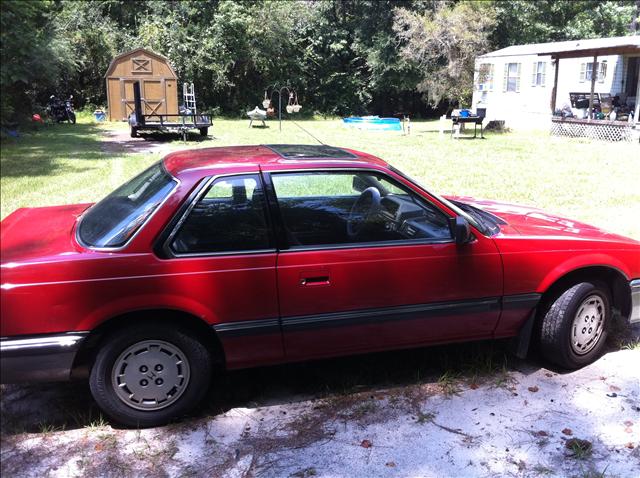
{"type": "Point", "coordinates": [595, 182]}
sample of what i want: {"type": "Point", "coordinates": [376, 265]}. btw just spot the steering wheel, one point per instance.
{"type": "Point", "coordinates": [362, 211]}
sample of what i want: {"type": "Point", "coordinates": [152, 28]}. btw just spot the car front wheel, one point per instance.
{"type": "Point", "coordinates": [574, 327]}
{"type": "Point", "coordinates": [149, 375]}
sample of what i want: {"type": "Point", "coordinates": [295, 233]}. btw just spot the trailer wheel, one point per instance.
{"type": "Point", "coordinates": [134, 132]}
{"type": "Point", "coordinates": [204, 131]}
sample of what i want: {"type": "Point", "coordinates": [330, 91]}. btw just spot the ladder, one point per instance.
{"type": "Point", "coordinates": [189, 97]}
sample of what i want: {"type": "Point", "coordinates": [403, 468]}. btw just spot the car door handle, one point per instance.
{"type": "Point", "coordinates": [315, 281]}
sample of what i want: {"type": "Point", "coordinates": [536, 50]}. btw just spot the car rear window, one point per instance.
{"type": "Point", "coordinates": [114, 220]}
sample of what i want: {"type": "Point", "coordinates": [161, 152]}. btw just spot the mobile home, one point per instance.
{"type": "Point", "coordinates": [524, 84]}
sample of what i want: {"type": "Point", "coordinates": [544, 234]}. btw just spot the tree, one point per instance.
{"type": "Point", "coordinates": [634, 26]}
{"type": "Point", "coordinates": [444, 45]}
{"type": "Point", "coordinates": [522, 21]}
{"type": "Point", "coordinates": [34, 54]}
{"type": "Point", "coordinates": [343, 56]}
{"type": "Point", "coordinates": [94, 39]}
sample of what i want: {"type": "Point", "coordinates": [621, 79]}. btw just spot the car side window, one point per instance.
{"type": "Point", "coordinates": [347, 207]}
{"type": "Point", "coordinates": [230, 217]}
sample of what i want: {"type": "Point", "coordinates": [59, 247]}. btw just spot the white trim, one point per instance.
{"type": "Point", "coordinates": [7, 345]}
{"type": "Point", "coordinates": [635, 301]}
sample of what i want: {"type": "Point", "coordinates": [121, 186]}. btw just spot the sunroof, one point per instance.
{"type": "Point", "coordinates": [310, 151]}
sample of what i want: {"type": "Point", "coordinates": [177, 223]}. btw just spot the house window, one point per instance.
{"type": "Point", "coordinates": [587, 68]}
{"type": "Point", "coordinates": [511, 77]}
{"type": "Point", "coordinates": [485, 77]}
{"type": "Point", "coordinates": [539, 72]}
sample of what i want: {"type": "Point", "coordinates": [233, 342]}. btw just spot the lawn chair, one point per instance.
{"type": "Point", "coordinates": [257, 114]}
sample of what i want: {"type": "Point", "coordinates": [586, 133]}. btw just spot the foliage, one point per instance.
{"type": "Point", "coordinates": [444, 44]}
{"type": "Point", "coordinates": [33, 54]}
{"type": "Point", "coordinates": [522, 21]}
{"type": "Point", "coordinates": [343, 56]}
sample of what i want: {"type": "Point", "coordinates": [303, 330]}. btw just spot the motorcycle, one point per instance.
{"type": "Point", "coordinates": [60, 111]}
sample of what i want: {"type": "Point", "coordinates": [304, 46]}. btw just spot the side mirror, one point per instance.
{"type": "Point", "coordinates": [461, 230]}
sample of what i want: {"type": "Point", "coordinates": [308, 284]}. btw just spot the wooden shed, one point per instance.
{"type": "Point", "coordinates": [158, 84]}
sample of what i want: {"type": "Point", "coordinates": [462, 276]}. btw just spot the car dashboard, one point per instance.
{"type": "Point", "coordinates": [410, 220]}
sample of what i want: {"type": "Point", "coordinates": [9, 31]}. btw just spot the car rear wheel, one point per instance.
{"type": "Point", "coordinates": [574, 327]}
{"type": "Point", "coordinates": [149, 375]}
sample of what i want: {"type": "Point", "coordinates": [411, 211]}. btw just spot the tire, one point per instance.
{"type": "Point", "coordinates": [204, 131]}
{"type": "Point", "coordinates": [129, 386]}
{"type": "Point", "coordinates": [134, 132]}
{"type": "Point", "coordinates": [72, 117]}
{"type": "Point", "coordinates": [574, 328]}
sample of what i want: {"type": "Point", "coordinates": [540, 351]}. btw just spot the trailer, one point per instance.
{"type": "Point", "coordinates": [176, 123]}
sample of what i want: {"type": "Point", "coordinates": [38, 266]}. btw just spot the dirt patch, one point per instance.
{"type": "Point", "coordinates": [121, 142]}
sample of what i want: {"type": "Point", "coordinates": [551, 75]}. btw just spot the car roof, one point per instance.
{"type": "Point", "coordinates": [266, 157]}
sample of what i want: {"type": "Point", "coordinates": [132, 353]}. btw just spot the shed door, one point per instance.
{"type": "Point", "coordinates": [128, 105]}
{"type": "Point", "coordinates": [153, 94]}
{"type": "Point", "coordinates": [153, 97]}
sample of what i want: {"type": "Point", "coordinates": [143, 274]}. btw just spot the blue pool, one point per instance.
{"type": "Point", "coordinates": [374, 123]}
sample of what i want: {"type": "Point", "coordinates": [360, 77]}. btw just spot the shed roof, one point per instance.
{"type": "Point", "coordinates": [115, 60]}
{"type": "Point", "coordinates": [573, 48]}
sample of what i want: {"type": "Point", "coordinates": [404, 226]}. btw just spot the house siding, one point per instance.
{"type": "Point", "coordinates": [531, 105]}
{"type": "Point", "coordinates": [619, 73]}
{"type": "Point", "coordinates": [510, 105]}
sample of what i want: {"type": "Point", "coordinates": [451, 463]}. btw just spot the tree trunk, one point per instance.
{"type": "Point", "coordinates": [634, 27]}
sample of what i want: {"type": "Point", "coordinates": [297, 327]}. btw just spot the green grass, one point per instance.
{"type": "Point", "coordinates": [61, 164]}
{"type": "Point", "coordinates": [595, 182]}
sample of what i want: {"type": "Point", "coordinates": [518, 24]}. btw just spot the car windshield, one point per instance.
{"type": "Point", "coordinates": [488, 220]}
{"type": "Point", "coordinates": [471, 219]}
{"type": "Point", "coordinates": [112, 221]}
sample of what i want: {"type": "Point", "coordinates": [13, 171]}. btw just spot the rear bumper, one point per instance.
{"type": "Point", "coordinates": [39, 358]}
{"type": "Point", "coordinates": [635, 301]}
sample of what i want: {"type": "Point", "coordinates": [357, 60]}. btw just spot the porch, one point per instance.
{"type": "Point", "coordinates": [599, 116]}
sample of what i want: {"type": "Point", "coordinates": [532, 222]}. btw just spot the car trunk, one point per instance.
{"type": "Point", "coordinates": [31, 233]}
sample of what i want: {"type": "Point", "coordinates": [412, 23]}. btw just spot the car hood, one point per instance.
{"type": "Point", "coordinates": [30, 234]}
{"type": "Point", "coordinates": [531, 221]}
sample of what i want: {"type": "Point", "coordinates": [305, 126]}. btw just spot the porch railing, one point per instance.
{"type": "Point", "coordinates": [596, 129]}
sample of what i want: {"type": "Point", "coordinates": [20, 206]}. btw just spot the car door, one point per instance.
{"type": "Point", "coordinates": [370, 264]}
{"type": "Point", "coordinates": [223, 257]}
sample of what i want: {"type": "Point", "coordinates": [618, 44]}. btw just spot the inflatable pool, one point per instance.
{"type": "Point", "coordinates": [373, 123]}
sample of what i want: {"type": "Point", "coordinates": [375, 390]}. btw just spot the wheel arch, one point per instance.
{"type": "Point", "coordinates": [201, 329]}
{"type": "Point", "coordinates": [612, 277]}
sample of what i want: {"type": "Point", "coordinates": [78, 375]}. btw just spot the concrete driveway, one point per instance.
{"type": "Point", "coordinates": [463, 410]}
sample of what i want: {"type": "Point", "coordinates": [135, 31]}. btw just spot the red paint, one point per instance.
{"type": "Point", "coordinates": [51, 284]}
{"type": "Point", "coordinates": [379, 277]}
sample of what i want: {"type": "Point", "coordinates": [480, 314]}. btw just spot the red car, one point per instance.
{"type": "Point", "coordinates": [256, 255]}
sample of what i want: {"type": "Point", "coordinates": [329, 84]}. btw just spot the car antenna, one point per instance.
{"type": "Point", "coordinates": [323, 144]}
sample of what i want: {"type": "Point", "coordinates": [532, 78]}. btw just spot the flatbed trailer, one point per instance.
{"type": "Point", "coordinates": [176, 123]}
